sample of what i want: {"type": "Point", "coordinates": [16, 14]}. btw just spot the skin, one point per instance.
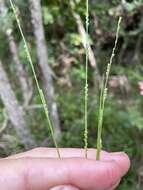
{"type": "Point", "coordinates": [40, 169]}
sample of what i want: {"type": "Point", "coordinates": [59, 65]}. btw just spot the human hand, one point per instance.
{"type": "Point", "coordinates": [40, 169]}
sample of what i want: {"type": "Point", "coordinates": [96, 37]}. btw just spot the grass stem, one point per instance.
{"type": "Point", "coordinates": [103, 95]}
{"type": "Point", "coordinates": [86, 82]}
{"type": "Point", "coordinates": [43, 100]}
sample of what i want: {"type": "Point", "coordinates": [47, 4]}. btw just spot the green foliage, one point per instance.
{"type": "Point", "coordinates": [79, 73]}
{"type": "Point", "coordinates": [123, 123]}
{"type": "Point", "coordinates": [6, 20]}
{"type": "Point", "coordinates": [130, 7]}
{"type": "Point", "coordinates": [75, 39]}
{"type": "Point", "coordinates": [135, 117]}
{"type": "Point", "coordinates": [47, 16]}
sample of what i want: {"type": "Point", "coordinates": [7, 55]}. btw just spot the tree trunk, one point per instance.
{"type": "Point", "coordinates": [36, 15]}
{"type": "Point", "coordinates": [14, 111]}
{"type": "Point", "coordinates": [92, 59]}
{"type": "Point", "coordinates": [24, 80]}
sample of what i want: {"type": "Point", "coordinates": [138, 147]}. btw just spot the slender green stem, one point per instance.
{"type": "Point", "coordinates": [49, 121]}
{"type": "Point", "coordinates": [100, 118]}
{"type": "Point", "coordinates": [86, 82]}
{"type": "Point", "coordinates": [103, 95]}
{"type": "Point", "coordinates": [43, 100]}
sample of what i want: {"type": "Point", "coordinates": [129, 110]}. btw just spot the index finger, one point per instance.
{"type": "Point", "coordinates": [45, 173]}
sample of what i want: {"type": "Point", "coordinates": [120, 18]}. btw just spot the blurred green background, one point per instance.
{"type": "Point", "coordinates": [123, 118]}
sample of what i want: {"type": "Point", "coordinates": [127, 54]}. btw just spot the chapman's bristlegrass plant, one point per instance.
{"type": "Point", "coordinates": [43, 100]}
{"type": "Point", "coordinates": [86, 82]}
{"type": "Point", "coordinates": [103, 95]}
{"type": "Point", "coordinates": [104, 88]}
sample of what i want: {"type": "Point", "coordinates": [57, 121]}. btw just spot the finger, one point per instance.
{"type": "Point", "coordinates": [122, 160]}
{"type": "Point", "coordinates": [75, 152]}
{"type": "Point", "coordinates": [64, 152]}
{"type": "Point", "coordinates": [120, 157]}
{"type": "Point", "coordinates": [64, 187]}
{"type": "Point", "coordinates": [46, 173]}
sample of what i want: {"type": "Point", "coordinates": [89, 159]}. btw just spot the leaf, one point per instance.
{"type": "Point", "coordinates": [47, 16]}
{"type": "Point", "coordinates": [135, 117]}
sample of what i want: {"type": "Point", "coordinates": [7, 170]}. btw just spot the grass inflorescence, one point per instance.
{"type": "Point", "coordinates": [103, 94]}
{"type": "Point", "coordinates": [104, 88]}
{"type": "Point", "coordinates": [43, 100]}
{"type": "Point", "coordinates": [86, 81]}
